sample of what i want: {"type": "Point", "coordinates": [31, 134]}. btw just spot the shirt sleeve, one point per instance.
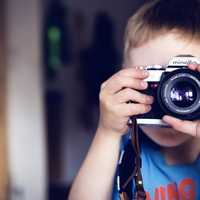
{"type": "Point", "coordinates": [115, 193]}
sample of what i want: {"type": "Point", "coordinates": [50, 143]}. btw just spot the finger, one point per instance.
{"type": "Point", "coordinates": [134, 73]}
{"type": "Point", "coordinates": [128, 110]}
{"type": "Point", "coordinates": [198, 68]}
{"type": "Point", "coordinates": [194, 67]}
{"type": "Point", "coordinates": [129, 94]}
{"type": "Point", "coordinates": [183, 126]}
{"type": "Point", "coordinates": [129, 72]}
{"type": "Point", "coordinates": [119, 82]}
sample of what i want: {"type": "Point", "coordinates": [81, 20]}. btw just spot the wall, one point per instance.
{"type": "Point", "coordinates": [118, 10]}
{"type": "Point", "coordinates": [26, 132]}
{"type": "Point", "coordinates": [3, 132]}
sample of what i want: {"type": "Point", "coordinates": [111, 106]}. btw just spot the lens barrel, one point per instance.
{"type": "Point", "coordinates": [179, 93]}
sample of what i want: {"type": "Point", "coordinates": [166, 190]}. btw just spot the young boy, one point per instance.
{"type": "Point", "coordinates": [159, 31]}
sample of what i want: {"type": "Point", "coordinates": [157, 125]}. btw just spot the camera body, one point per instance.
{"type": "Point", "coordinates": [176, 91]}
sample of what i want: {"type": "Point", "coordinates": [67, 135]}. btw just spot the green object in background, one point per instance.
{"type": "Point", "coordinates": [54, 38]}
{"type": "Point", "coordinates": [56, 46]}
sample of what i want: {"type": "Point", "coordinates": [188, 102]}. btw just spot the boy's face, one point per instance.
{"type": "Point", "coordinates": [159, 51]}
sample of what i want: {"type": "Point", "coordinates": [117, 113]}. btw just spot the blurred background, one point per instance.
{"type": "Point", "coordinates": [54, 54]}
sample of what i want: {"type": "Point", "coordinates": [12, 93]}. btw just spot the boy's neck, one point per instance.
{"type": "Point", "coordinates": [186, 153]}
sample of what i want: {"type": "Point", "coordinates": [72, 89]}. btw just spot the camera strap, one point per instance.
{"type": "Point", "coordinates": [139, 193]}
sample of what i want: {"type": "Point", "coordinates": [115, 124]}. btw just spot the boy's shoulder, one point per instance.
{"type": "Point", "coordinates": [144, 141]}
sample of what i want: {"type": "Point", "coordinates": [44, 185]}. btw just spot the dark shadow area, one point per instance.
{"type": "Point", "coordinates": [58, 192]}
{"type": "Point", "coordinates": [97, 63]}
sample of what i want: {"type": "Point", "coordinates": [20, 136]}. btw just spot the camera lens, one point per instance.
{"type": "Point", "coordinates": [183, 94]}
{"type": "Point", "coordinates": [179, 93]}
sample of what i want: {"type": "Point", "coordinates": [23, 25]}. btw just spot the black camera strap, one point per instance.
{"type": "Point", "coordinates": [139, 193]}
{"type": "Point", "coordinates": [139, 188]}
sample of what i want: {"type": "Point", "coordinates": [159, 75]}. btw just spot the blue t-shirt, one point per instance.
{"type": "Point", "coordinates": [163, 181]}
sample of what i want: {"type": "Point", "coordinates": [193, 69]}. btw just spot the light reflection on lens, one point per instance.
{"type": "Point", "coordinates": [183, 94]}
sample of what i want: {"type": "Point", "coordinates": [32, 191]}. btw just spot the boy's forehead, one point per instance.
{"type": "Point", "coordinates": [160, 50]}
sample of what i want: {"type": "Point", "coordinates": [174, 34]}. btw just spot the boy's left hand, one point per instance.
{"type": "Point", "coordinates": [188, 127]}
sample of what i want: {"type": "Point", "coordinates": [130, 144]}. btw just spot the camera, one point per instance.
{"type": "Point", "coordinates": [176, 91]}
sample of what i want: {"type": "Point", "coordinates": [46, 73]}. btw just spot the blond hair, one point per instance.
{"type": "Point", "coordinates": [160, 17]}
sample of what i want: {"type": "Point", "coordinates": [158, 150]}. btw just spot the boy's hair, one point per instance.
{"type": "Point", "coordinates": [159, 17]}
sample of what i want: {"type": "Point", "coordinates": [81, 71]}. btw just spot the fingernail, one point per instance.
{"type": "Point", "coordinates": [148, 108]}
{"type": "Point", "coordinates": [144, 84]}
{"type": "Point", "coordinates": [145, 73]}
{"type": "Point", "coordinates": [150, 99]}
{"type": "Point", "coordinates": [165, 118]}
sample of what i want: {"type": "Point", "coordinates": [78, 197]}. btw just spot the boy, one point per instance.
{"type": "Point", "coordinates": [158, 31]}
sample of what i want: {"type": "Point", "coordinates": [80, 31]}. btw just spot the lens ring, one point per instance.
{"type": "Point", "coordinates": [166, 87]}
{"type": "Point", "coordinates": [167, 98]}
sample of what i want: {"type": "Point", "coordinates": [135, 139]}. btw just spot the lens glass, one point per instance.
{"type": "Point", "coordinates": [183, 94]}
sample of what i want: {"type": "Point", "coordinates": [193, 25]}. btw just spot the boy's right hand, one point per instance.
{"type": "Point", "coordinates": [114, 95]}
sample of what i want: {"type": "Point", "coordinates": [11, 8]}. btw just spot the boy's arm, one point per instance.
{"type": "Point", "coordinates": [95, 178]}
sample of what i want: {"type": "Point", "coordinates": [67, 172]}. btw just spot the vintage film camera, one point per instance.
{"type": "Point", "coordinates": [176, 91]}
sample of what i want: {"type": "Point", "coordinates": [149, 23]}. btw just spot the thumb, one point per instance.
{"type": "Point", "coordinates": [188, 127]}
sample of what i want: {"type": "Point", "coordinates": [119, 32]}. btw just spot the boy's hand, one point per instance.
{"type": "Point", "coordinates": [116, 92]}
{"type": "Point", "coordinates": [188, 127]}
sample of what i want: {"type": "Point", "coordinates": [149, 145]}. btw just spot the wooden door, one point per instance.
{"type": "Point", "coordinates": [3, 157]}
